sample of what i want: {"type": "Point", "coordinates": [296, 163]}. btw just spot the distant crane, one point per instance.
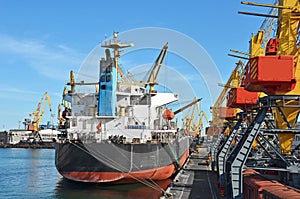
{"type": "Point", "coordinates": [234, 81]}
{"type": "Point", "coordinates": [193, 121]}
{"type": "Point", "coordinates": [169, 114]}
{"type": "Point", "coordinates": [38, 113]}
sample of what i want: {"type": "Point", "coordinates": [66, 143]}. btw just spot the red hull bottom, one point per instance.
{"type": "Point", "coordinates": [160, 173]}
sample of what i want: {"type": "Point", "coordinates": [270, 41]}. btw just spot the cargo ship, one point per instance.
{"type": "Point", "coordinates": [123, 132]}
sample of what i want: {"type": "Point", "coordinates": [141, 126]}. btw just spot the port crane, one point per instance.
{"type": "Point", "coordinates": [198, 126]}
{"type": "Point", "coordinates": [168, 114]}
{"type": "Point", "coordinates": [193, 121]}
{"type": "Point", "coordinates": [258, 45]}
{"type": "Point", "coordinates": [38, 114]}
{"type": "Point", "coordinates": [275, 71]}
{"type": "Point", "coordinates": [234, 81]}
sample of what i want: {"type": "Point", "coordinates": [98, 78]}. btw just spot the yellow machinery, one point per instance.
{"type": "Point", "coordinates": [193, 121]}
{"type": "Point", "coordinates": [61, 120]}
{"type": "Point", "coordinates": [285, 48]}
{"type": "Point", "coordinates": [274, 69]}
{"type": "Point", "coordinates": [39, 112]}
{"type": "Point", "coordinates": [198, 126]}
{"type": "Point", "coordinates": [71, 83]}
{"type": "Point", "coordinates": [287, 33]}
{"type": "Point", "coordinates": [234, 81]}
{"type": "Point", "coordinates": [156, 68]}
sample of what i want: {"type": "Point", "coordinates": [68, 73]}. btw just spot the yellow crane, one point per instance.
{"type": "Point", "coordinates": [284, 45]}
{"type": "Point", "coordinates": [234, 81]}
{"type": "Point", "coordinates": [193, 121]}
{"type": "Point", "coordinates": [198, 126]}
{"type": "Point", "coordinates": [190, 116]}
{"type": "Point", "coordinates": [39, 112]}
{"type": "Point", "coordinates": [257, 48]}
{"type": "Point", "coordinates": [259, 41]}
{"type": "Point", "coordinates": [72, 83]}
{"type": "Point", "coordinates": [156, 68]}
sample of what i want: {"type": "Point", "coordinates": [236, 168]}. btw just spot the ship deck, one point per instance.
{"type": "Point", "coordinates": [196, 179]}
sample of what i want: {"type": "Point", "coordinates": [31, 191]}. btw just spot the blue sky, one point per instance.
{"type": "Point", "coordinates": [41, 41]}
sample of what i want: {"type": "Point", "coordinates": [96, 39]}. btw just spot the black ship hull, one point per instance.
{"type": "Point", "coordinates": [120, 163]}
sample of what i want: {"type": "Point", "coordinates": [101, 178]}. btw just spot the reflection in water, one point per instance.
{"type": "Point", "coordinates": [70, 189]}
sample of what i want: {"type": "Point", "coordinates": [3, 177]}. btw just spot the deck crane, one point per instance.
{"type": "Point", "coordinates": [277, 73]}
{"type": "Point", "coordinates": [38, 113]}
{"type": "Point", "coordinates": [131, 77]}
{"type": "Point", "coordinates": [72, 83]}
{"type": "Point", "coordinates": [115, 45]}
{"type": "Point", "coordinates": [187, 106]}
{"type": "Point", "coordinates": [156, 68]}
{"type": "Point", "coordinates": [67, 96]}
{"type": "Point", "coordinates": [188, 119]}
{"type": "Point", "coordinates": [169, 115]}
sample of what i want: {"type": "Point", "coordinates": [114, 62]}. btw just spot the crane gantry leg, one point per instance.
{"type": "Point", "coordinates": [223, 152]}
{"type": "Point", "coordinates": [214, 150]}
{"type": "Point", "coordinates": [238, 157]}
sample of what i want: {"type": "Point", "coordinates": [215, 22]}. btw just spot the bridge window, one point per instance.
{"type": "Point", "coordinates": [108, 78]}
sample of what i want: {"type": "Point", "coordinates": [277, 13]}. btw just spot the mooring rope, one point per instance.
{"type": "Point", "coordinates": [154, 186]}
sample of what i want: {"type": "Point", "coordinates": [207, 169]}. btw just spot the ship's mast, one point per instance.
{"type": "Point", "coordinates": [109, 70]}
{"type": "Point", "coordinates": [116, 45]}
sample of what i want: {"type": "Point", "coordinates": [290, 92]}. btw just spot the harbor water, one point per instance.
{"type": "Point", "coordinates": [31, 173]}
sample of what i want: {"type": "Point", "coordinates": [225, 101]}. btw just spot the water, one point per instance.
{"type": "Point", "coordinates": [31, 173]}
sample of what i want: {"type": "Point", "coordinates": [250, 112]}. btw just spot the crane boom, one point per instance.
{"type": "Point", "coordinates": [156, 68]}
{"type": "Point", "coordinates": [283, 78]}
{"type": "Point", "coordinates": [198, 127]}
{"type": "Point", "coordinates": [233, 82]}
{"type": "Point", "coordinates": [187, 106]}
{"type": "Point", "coordinates": [38, 113]}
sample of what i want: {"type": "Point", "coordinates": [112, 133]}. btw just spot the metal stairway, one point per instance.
{"type": "Point", "coordinates": [237, 159]}
{"type": "Point", "coordinates": [215, 149]}
{"type": "Point", "coordinates": [223, 152]}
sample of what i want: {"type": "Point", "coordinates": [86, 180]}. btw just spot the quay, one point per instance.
{"type": "Point", "coordinates": [29, 145]}
{"type": "Point", "coordinates": [196, 179]}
